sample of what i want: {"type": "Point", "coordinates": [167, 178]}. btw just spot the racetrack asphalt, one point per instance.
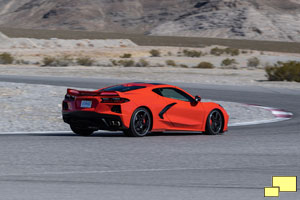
{"type": "Point", "coordinates": [237, 165]}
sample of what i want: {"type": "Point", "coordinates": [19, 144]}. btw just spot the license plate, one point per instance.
{"type": "Point", "coordinates": [86, 104]}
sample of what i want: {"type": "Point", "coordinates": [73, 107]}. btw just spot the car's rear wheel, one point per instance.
{"type": "Point", "coordinates": [82, 131]}
{"type": "Point", "coordinates": [214, 123]}
{"type": "Point", "coordinates": [140, 123]}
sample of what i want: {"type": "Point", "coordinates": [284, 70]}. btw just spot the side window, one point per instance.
{"type": "Point", "coordinates": [173, 94]}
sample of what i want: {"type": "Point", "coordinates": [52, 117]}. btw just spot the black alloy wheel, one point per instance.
{"type": "Point", "coordinates": [140, 123]}
{"type": "Point", "coordinates": [214, 123]}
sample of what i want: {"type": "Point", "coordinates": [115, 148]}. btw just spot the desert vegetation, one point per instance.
{"type": "Point", "coordinates": [124, 63]}
{"type": "Point", "coordinates": [126, 55]}
{"type": "Point", "coordinates": [253, 62]}
{"type": "Point", "coordinates": [60, 61]}
{"type": "Point", "coordinates": [229, 51]}
{"type": "Point", "coordinates": [66, 60]}
{"type": "Point", "coordinates": [142, 63]}
{"type": "Point", "coordinates": [183, 66]}
{"type": "Point", "coordinates": [192, 53]}
{"type": "Point", "coordinates": [85, 61]}
{"type": "Point", "coordinates": [284, 71]}
{"type": "Point", "coordinates": [171, 63]}
{"type": "Point", "coordinates": [205, 65]}
{"type": "Point", "coordinates": [23, 62]}
{"type": "Point", "coordinates": [6, 58]}
{"type": "Point", "coordinates": [228, 62]}
{"type": "Point", "coordinates": [130, 63]}
{"type": "Point", "coordinates": [155, 53]}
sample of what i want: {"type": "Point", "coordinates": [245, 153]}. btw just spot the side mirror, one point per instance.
{"type": "Point", "coordinates": [197, 98]}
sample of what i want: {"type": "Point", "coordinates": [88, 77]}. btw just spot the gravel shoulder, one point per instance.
{"type": "Point", "coordinates": [240, 77]}
{"type": "Point", "coordinates": [31, 108]}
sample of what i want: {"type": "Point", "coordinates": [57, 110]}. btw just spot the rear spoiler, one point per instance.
{"type": "Point", "coordinates": [74, 92]}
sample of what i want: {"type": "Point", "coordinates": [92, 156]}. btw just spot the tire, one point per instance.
{"type": "Point", "coordinates": [140, 123]}
{"type": "Point", "coordinates": [82, 131]}
{"type": "Point", "coordinates": [214, 123]}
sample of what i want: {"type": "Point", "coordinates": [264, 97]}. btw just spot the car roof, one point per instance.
{"type": "Point", "coordinates": [147, 85]}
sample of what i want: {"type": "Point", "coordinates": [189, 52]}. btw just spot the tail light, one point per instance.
{"type": "Point", "coordinates": [114, 100]}
{"type": "Point", "coordinates": [73, 92]}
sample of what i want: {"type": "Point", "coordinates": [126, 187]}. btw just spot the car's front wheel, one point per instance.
{"type": "Point", "coordinates": [140, 123]}
{"type": "Point", "coordinates": [214, 123]}
{"type": "Point", "coordinates": [82, 131]}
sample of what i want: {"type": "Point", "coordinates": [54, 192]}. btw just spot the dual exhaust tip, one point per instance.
{"type": "Point", "coordinates": [111, 123]}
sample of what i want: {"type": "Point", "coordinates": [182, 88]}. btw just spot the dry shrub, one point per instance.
{"type": "Point", "coordinates": [48, 61]}
{"type": "Point", "coordinates": [62, 61]}
{"type": "Point", "coordinates": [228, 62]}
{"type": "Point", "coordinates": [85, 61]}
{"type": "Point", "coordinates": [142, 63]}
{"type": "Point", "coordinates": [192, 53]}
{"type": "Point", "coordinates": [114, 62]}
{"type": "Point", "coordinates": [216, 51]}
{"type": "Point", "coordinates": [155, 53]}
{"type": "Point", "coordinates": [6, 58]}
{"type": "Point", "coordinates": [171, 63]}
{"type": "Point", "coordinates": [232, 51]}
{"type": "Point", "coordinates": [126, 55]}
{"type": "Point", "coordinates": [183, 66]}
{"type": "Point", "coordinates": [253, 62]}
{"type": "Point", "coordinates": [229, 51]}
{"type": "Point", "coordinates": [205, 65]}
{"type": "Point", "coordinates": [126, 63]}
{"type": "Point", "coordinates": [284, 71]}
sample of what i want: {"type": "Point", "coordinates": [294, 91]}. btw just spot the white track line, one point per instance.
{"type": "Point", "coordinates": [99, 172]}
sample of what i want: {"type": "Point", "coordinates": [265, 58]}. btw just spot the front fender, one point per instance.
{"type": "Point", "coordinates": [210, 106]}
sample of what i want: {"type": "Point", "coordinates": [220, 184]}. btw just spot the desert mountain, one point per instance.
{"type": "Point", "coordinates": [249, 19]}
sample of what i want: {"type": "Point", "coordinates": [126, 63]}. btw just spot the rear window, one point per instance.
{"type": "Point", "coordinates": [122, 88]}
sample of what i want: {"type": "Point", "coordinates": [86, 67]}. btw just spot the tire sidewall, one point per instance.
{"type": "Point", "coordinates": [208, 129]}
{"type": "Point", "coordinates": [132, 128]}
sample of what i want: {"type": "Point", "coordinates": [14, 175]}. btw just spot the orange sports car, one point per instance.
{"type": "Point", "coordinates": [140, 108]}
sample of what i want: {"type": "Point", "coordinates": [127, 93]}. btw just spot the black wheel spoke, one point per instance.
{"type": "Point", "coordinates": [141, 122]}
{"type": "Point", "coordinates": [215, 122]}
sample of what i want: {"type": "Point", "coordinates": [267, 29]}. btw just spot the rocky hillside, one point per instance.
{"type": "Point", "coordinates": [251, 19]}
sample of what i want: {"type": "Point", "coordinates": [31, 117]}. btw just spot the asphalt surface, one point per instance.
{"type": "Point", "coordinates": [237, 165]}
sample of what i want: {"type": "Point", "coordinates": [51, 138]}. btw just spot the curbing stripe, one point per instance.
{"type": "Point", "coordinates": [279, 114]}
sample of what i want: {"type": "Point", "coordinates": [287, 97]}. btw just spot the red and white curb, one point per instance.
{"type": "Point", "coordinates": [279, 115]}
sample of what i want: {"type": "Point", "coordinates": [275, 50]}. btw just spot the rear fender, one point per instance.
{"type": "Point", "coordinates": [151, 102]}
